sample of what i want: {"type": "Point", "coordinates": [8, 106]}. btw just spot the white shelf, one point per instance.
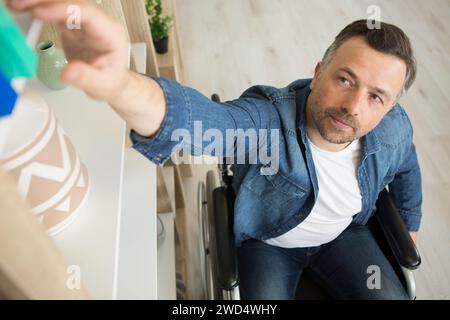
{"type": "Point", "coordinates": [166, 260]}
{"type": "Point", "coordinates": [91, 241]}
{"type": "Point", "coordinates": [97, 133]}
{"type": "Point", "coordinates": [166, 252]}
{"type": "Point", "coordinates": [113, 239]}
{"type": "Point", "coordinates": [137, 257]}
{"type": "Point", "coordinates": [137, 269]}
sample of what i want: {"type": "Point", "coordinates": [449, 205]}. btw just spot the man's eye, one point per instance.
{"type": "Point", "coordinates": [344, 81]}
{"type": "Point", "coordinates": [375, 98]}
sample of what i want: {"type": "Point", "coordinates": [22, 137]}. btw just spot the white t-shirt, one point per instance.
{"type": "Point", "coordinates": [339, 199]}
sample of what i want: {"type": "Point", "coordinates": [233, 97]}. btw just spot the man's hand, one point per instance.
{"type": "Point", "coordinates": [97, 52]}
{"type": "Point", "coordinates": [98, 62]}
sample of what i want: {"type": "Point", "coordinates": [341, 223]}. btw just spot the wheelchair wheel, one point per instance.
{"type": "Point", "coordinates": [207, 246]}
{"type": "Point", "coordinates": [203, 237]}
{"type": "Point", "coordinates": [212, 183]}
{"type": "Point", "coordinates": [219, 268]}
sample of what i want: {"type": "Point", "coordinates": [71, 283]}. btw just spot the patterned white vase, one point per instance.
{"type": "Point", "coordinates": [44, 164]}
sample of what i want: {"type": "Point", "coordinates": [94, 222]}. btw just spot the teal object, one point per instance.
{"type": "Point", "coordinates": [17, 58]}
{"type": "Point", "coordinates": [51, 62]}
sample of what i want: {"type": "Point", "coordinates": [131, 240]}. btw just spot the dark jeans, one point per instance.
{"type": "Point", "coordinates": [344, 267]}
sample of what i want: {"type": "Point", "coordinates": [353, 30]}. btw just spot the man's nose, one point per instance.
{"type": "Point", "coordinates": [354, 102]}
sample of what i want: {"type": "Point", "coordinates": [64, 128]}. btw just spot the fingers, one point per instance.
{"type": "Point", "coordinates": [60, 10]}
{"type": "Point", "coordinates": [93, 21]}
{"type": "Point", "coordinates": [96, 83]}
{"type": "Point", "coordinates": [98, 34]}
{"type": "Point", "coordinates": [22, 5]}
{"type": "Point", "coordinates": [52, 11]}
{"type": "Point", "coordinates": [84, 77]}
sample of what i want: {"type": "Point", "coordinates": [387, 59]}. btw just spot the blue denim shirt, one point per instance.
{"type": "Point", "coordinates": [269, 205]}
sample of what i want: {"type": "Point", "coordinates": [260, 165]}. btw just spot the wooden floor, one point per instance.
{"type": "Point", "coordinates": [229, 45]}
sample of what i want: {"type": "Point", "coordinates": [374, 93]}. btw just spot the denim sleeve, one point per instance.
{"type": "Point", "coordinates": [190, 113]}
{"type": "Point", "coordinates": [406, 189]}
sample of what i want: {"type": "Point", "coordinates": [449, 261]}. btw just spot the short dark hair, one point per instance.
{"type": "Point", "coordinates": [388, 39]}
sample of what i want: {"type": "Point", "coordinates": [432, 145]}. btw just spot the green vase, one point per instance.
{"type": "Point", "coordinates": [51, 62]}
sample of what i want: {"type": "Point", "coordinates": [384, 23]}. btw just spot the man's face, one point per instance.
{"type": "Point", "coordinates": [352, 93]}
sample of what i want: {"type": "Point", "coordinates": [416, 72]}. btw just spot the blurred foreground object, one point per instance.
{"type": "Point", "coordinates": [30, 265]}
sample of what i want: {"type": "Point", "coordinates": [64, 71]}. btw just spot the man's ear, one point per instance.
{"type": "Point", "coordinates": [316, 75]}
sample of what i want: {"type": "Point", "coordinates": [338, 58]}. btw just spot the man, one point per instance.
{"type": "Point", "coordinates": [342, 138]}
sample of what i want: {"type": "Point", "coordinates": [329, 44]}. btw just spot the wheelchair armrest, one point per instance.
{"type": "Point", "coordinates": [227, 272]}
{"type": "Point", "coordinates": [395, 232]}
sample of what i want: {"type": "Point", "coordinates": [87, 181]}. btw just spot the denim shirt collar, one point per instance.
{"type": "Point", "coordinates": [370, 142]}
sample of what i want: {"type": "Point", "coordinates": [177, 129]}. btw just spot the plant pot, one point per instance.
{"type": "Point", "coordinates": [162, 45]}
{"type": "Point", "coordinates": [51, 62]}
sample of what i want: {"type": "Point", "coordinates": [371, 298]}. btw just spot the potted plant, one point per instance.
{"type": "Point", "coordinates": [159, 25]}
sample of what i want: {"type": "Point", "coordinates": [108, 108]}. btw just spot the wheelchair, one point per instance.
{"type": "Point", "coordinates": [219, 268]}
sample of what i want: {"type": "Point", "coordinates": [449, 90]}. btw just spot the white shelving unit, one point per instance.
{"type": "Point", "coordinates": [113, 239]}
{"type": "Point", "coordinates": [138, 258]}
{"type": "Point", "coordinates": [91, 241]}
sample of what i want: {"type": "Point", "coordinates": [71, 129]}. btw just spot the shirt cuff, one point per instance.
{"type": "Point", "coordinates": [159, 148]}
{"type": "Point", "coordinates": [411, 219]}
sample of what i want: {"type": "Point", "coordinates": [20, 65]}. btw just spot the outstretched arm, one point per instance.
{"type": "Point", "coordinates": [98, 62]}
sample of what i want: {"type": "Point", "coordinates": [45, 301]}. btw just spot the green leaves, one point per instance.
{"type": "Point", "coordinates": [159, 25]}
